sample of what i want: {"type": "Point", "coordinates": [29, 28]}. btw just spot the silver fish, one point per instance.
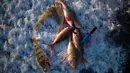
{"type": "Point", "coordinates": [61, 36]}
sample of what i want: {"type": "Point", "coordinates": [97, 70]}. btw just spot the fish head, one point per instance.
{"type": "Point", "coordinates": [58, 5]}
{"type": "Point", "coordinates": [77, 31]}
{"type": "Point", "coordinates": [44, 66]}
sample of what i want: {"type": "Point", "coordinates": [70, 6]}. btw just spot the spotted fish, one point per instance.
{"type": "Point", "coordinates": [41, 57]}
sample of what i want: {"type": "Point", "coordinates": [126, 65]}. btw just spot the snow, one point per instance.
{"type": "Point", "coordinates": [100, 54]}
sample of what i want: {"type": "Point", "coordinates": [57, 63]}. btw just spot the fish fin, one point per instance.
{"type": "Point", "coordinates": [53, 38]}
{"type": "Point", "coordinates": [84, 60]}
{"type": "Point", "coordinates": [51, 47]}
{"type": "Point", "coordinates": [36, 26]}
{"type": "Point", "coordinates": [65, 58]}
{"type": "Point", "coordinates": [58, 31]}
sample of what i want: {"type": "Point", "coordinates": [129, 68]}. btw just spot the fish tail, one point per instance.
{"type": "Point", "coordinates": [51, 47]}
{"type": "Point", "coordinates": [36, 25]}
{"type": "Point", "coordinates": [84, 60]}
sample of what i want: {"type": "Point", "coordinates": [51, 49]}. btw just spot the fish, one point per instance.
{"type": "Point", "coordinates": [72, 55]}
{"type": "Point", "coordinates": [41, 56]}
{"type": "Point", "coordinates": [44, 16]}
{"type": "Point", "coordinates": [69, 15]}
{"type": "Point", "coordinates": [60, 17]}
{"type": "Point", "coordinates": [76, 38]}
{"type": "Point", "coordinates": [61, 36]}
{"type": "Point", "coordinates": [55, 10]}
{"type": "Point", "coordinates": [75, 51]}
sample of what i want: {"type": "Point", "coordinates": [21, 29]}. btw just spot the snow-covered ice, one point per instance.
{"type": "Point", "coordinates": [21, 15]}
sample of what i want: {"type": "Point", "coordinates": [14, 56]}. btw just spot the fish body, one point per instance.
{"type": "Point", "coordinates": [44, 15]}
{"type": "Point", "coordinates": [55, 10]}
{"type": "Point", "coordinates": [59, 13]}
{"type": "Point", "coordinates": [61, 36]}
{"type": "Point", "coordinates": [60, 17]}
{"type": "Point", "coordinates": [72, 53]}
{"type": "Point", "coordinates": [69, 15]}
{"type": "Point", "coordinates": [41, 57]}
{"type": "Point", "coordinates": [77, 37]}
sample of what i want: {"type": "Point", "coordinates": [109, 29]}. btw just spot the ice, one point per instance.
{"type": "Point", "coordinates": [100, 54]}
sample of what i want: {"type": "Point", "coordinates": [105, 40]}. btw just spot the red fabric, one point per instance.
{"type": "Point", "coordinates": [67, 18]}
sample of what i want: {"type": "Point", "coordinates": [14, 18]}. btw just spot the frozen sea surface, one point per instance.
{"type": "Point", "coordinates": [18, 18]}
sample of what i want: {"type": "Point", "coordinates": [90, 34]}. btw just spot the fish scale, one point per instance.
{"type": "Point", "coordinates": [73, 54]}
{"type": "Point", "coordinates": [41, 57]}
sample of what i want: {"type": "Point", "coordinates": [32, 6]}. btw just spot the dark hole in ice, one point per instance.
{"type": "Point", "coordinates": [123, 37]}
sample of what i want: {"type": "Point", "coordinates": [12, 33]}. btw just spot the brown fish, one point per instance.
{"type": "Point", "coordinates": [69, 15]}
{"type": "Point", "coordinates": [41, 57]}
{"type": "Point", "coordinates": [77, 37]}
{"type": "Point", "coordinates": [44, 16]}
{"type": "Point", "coordinates": [55, 10]}
{"type": "Point", "coordinates": [72, 54]}
{"type": "Point", "coordinates": [60, 17]}
{"type": "Point", "coordinates": [61, 36]}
